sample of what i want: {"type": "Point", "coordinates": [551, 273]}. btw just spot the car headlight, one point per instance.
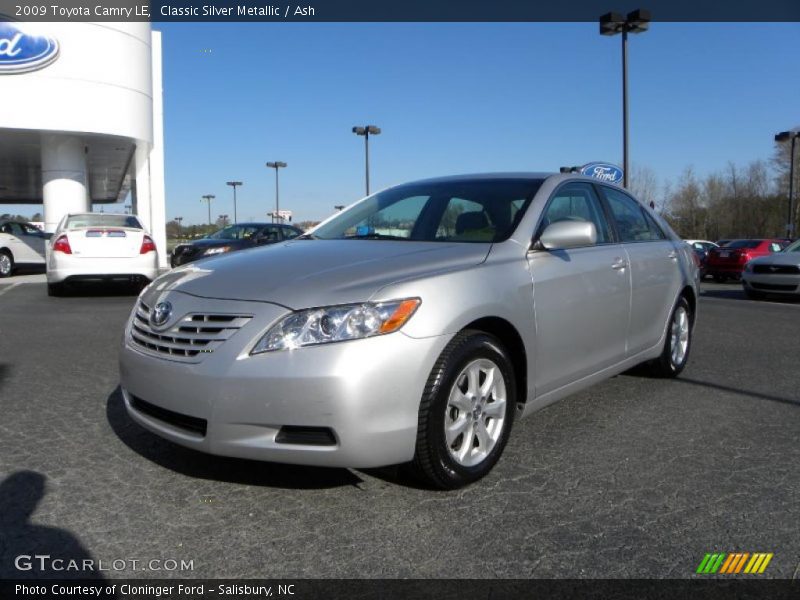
{"type": "Point", "coordinates": [336, 324]}
{"type": "Point", "coordinates": [217, 250]}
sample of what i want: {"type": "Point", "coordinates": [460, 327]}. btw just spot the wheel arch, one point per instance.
{"type": "Point", "coordinates": [508, 335]}
{"type": "Point", "coordinates": [691, 297]}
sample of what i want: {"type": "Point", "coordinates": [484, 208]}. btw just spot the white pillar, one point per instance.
{"type": "Point", "coordinates": [158, 208]}
{"type": "Point", "coordinates": [63, 178]}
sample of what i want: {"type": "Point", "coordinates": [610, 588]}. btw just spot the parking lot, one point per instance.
{"type": "Point", "coordinates": [635, 477]}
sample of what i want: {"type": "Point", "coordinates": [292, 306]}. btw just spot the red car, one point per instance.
{"type": "Point", "coordinates": [727, 262]}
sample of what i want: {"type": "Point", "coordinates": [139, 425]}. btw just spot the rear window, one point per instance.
{"type": "Point", "coordinates": [102, 220]}
{"type": "Point", "coordinates": [744, 244]}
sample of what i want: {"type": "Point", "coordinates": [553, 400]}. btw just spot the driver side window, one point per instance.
{"type": "Point", "coordinates": [576, 202]}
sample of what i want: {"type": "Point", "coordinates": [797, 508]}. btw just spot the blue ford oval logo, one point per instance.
{"type": "Point", "coordinates": [603, 172]}
{"type": "Point", "coordinates": [161, 313]}
{"type": "Point", "coordinates": [21, 52]}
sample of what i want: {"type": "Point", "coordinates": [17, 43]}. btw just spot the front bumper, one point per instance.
{"type": "Point", "coordinates": [766, 283]}
{"type": "Point", "coordinates": [65, 267]}
{"type": "Point", "coordinates": [366, 392]}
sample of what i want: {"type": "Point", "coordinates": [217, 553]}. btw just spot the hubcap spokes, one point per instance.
{"type": "Point", "coordinates": [475, 413]}
{"type": "Point", "coordinates": [5, 264]}
{"type": "Point", "coordinates": [679, 336]}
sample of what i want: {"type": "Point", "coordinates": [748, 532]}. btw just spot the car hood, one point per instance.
{"type": "Point", "coordinates": [306, 273]}
{"type": "Point", "coordinates": [778, 258]}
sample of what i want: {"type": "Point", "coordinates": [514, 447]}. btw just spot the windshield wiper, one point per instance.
{"type": "Point", "coordinates": [375, 236]}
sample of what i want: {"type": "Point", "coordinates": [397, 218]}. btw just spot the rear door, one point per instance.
{"type": "Point", "coordinates": [655, 268]}
{"type": "Point", "coordinates": [581, 295]}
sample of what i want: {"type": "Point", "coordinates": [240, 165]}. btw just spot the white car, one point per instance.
{"type": "Point", "coordinates": [100, 247]}
{"type": "Point", "coordinates": [21, 244]}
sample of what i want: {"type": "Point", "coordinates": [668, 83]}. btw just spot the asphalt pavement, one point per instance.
{"type": "Point", "coordinates": [636, 477]}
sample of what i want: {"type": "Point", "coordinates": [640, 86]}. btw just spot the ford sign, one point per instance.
{"type": "Point", "coordinates": [21, 52]}
{"type": "Point", "coordinates": [603, 172]}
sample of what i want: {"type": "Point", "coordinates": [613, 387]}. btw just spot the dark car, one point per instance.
{"type": "Point", "coordinates": [701, 249]}
{"type": "Point", "coordinates": [727, 262]}
{"type": "Point", "coordinates": [232, 238]}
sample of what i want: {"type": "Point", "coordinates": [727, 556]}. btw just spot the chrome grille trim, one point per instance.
{"type": "Point", "coordinates": [191, 338]}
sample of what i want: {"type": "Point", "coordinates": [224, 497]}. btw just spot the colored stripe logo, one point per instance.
{"type": "Point", "coordinates": [734, 563]}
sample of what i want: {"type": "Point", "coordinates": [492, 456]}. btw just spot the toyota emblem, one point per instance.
{"type": "Point", "coordinates": [161, 313]}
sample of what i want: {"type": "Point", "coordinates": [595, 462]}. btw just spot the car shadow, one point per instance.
{"type": "Point", "coordinates": [737, 293]}
{"type": "Point", "coordinates": [24, 541]}
{"type": "Point", "coordinates": [737, 390]}
{"type": "Point", "coordinates": [101, 289]}
{"type": "Point", "coordinates": [192, 463]}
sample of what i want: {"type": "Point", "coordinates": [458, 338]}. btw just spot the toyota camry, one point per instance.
{"type": "Point", "coordinates": [414, 327]}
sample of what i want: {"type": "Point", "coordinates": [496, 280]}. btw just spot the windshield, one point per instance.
{"type": "Point", "coordinates": [457, 211]}
{"type": "Point", "coordinates": [793, 247]}
{"type": "Point", "coordinates": [235, 232]}
{"type": "Point", "coordinates": [102, 220]}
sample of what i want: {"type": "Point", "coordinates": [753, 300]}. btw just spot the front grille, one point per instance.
{"type": "Point", "coordinates": [777, 269]}
{"type": "Point", "coordinates": [181, 421]}
{"type": "Point", "coordinates": [773, 286]}
{"type": "Point", "coordinates": [307, 436]}
{"type": "Point", "coordinates": [190, 339]}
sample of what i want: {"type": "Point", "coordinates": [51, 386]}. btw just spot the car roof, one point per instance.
{"type": "Point", "coordinates": [513, 176]}
{"type": "Point", "coordinates": [257, 224]}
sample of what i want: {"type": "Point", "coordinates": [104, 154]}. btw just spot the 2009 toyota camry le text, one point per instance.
{"type": "Point", "coordinates": [413, 327]}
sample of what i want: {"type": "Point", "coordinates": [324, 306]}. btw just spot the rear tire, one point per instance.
{"type": "Point", "coordinates": [466, 412]}
{"type": "Point", "coordinates": [56, 290]}
{"type": "Point", "coordinates": [678, 343]}
{"type": "Point", "coordinates": [6, 264]}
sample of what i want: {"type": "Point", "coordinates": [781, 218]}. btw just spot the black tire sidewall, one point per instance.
{"type": "Point", "coordinates": [666, 357]}
{"type": "Point", "coordinates": [10, 258]}
{"type": "Point", "coordinates": [471, 347]}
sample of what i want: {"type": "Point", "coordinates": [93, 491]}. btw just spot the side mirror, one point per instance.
{"type": "Point", "coordinates": [568, 234]}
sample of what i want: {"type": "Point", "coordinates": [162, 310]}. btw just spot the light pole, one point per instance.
{"type": "Point", "coordinates": [785, 136]}
{"type": "Point", "coordinates": [234, 185]}
{"type": "Point", "coordinates": [276, 165]}
{"type": "Point", "coordinates": [613, 23]}
{"type": "Point", "coordinates": [208, 198]}
{"type": "Point", "coordinates": [366, 131]}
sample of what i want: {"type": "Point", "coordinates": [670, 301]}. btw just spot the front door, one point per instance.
{"type": "Point", "coordinates": [581, 295]}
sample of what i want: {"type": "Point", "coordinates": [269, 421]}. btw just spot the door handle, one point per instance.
{"type": "Point", "coordinates": [619, 263]}
{"type": "Point", "coordinates": [673, 255]}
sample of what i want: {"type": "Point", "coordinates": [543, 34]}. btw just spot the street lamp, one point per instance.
{"type": "Point", "coordinates": [785, 136]}
{"type": "Point", "coordinates": [208, 198]}
{"type": "Point", "coordinates": [234, 185]}
{"type": "Point", "coordinates": [366, 131]}
{"type": "Point", "coordinates": [276, 165]}
{"type": "Point", "coordinates": [611, 24]}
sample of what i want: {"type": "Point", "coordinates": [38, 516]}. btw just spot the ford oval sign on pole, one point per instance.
{"type": "Point", "coordinates": [21, 52]}
{"type": "Point", "coordinates": [603, 172]}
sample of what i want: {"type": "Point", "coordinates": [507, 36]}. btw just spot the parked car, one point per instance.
{"type": "Point", "coordinates": [701, 249]}
{"type": "Point", "coordinates": [100, 247]}
{"type": "Point", "coordinates": [727, 262]}
{"type": "Point", "coordinates": [413, 327]}
{"type": "Point", "coordinates": [234, 237]}
{"type": "Point", "coordinates": [777, 273]}
{"type": "Point", "coordinates": [722, 243]}
{"type": "Point", "coordinates": [21, 245]}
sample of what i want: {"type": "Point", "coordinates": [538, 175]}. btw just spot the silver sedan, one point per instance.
{"type": "Point", "coordinates": [414, 327]}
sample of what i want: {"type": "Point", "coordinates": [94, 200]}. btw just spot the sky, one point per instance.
{"type": "Point", "coordinates": [456, 98]}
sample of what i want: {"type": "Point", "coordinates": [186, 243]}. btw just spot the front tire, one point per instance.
{"type": "Point", "coordinates": [752, 294]}
{"type": "Point", "coordinates": [678, 343]}
{"type": "Point", "coordinates": [6, 264]}
{"type": "Point", "coordinates": [466, 412]}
